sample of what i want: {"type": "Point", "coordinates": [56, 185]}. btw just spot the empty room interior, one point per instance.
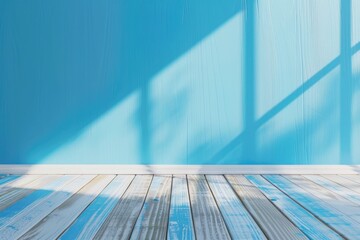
{"type": "Point", "coordinates": [179, 119]}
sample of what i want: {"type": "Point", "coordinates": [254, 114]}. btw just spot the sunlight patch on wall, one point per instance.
{"type": "Point", "coordinates": [300, 135]}
{"type": "Point", "coordinates": [294, 40]}
{"type": "Point", "coordinates": [322, 113]}
{"type": "Point", "coordinates": [195, 107]}
{"type": "Point", "coordinates": [197, 100]}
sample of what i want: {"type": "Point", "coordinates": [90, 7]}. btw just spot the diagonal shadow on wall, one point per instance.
{"type": "Point", "coordinates": [64, 64]}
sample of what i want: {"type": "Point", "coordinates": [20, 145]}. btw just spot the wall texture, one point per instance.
{"type": "Point", "coordinates": [180, 82]}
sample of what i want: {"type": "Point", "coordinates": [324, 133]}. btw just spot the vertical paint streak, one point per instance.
{"type": "Point", "coordinates": [145, 125]}
{"type": "Point", "coordinates": [249, 76]}
{"type": "Point", "coordinates": [345, 83]}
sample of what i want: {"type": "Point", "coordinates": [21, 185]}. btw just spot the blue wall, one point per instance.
{"type": "Point", "coordinates": [180, 82]}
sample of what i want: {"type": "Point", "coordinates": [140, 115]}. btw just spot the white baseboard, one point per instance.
{"type": "Point", "coordinates": [177, 169]}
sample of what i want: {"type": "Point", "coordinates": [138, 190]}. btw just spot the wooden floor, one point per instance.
{"type": "Point", "coordinates": [180, 207]}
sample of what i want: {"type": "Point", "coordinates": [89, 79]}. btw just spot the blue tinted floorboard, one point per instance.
{"type": "Point", "coordinates": [180, 221]}
{"type": "Point", "coordinates": [6, 179]}
{"type": "Point", "coordinates": [337, 220]}
{"type": "Point", "coordinates": [89, 222]}
{"type": "Point", "coordinates": [175, 207]}
{"type": "Point", "coordinates": [32, 200]}
{"type": "Point", "coordinates": [303, 219]}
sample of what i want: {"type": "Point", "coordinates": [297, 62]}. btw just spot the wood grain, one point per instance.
{"type": "Point", "coordinates": [15, 194]}
{"type": "Point", "coordinates": [17, 183]}
{"type": "Point", "coordinates": [31, 216]}
{"type": "Point", "coordinates": [33, 200]}
{"type": "Point", "coordinates": [303, 219]}
{"type": "Point", "coordinates": [335, 187]}
{"type": "Point", "coordinates": [275, 225]}
{"type": "Point", "coordinates": [180, 219]}
{"type": "Point", "coordinates": [7, 179]}
{"type": "Point", "coordinates": [122, 219]}
{"type": "Point", "coordinates": [333, 218]}
{"type": "Point", "coordinates": [180, 207]}
{"type": "Point", "coordinates": [208, 222]}
{"type": "Point", "coordinates": [239, 222]}
{"type": "Point", "coordinates": [352, 177]}
{"type": "Point", "coordinates": [51, 226]}
{"type": "Point", "coordinates": [337, 201]}
{"type": "Point", "coordinates": [349, 184]}
{"type": "Point", "coordinates": [89, 222]}
{"type": "Point", "coordinates": [153, 219]}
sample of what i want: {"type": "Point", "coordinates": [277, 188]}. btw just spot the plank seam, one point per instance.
{"type": "Point", "coordinates": [217, 205]}
{"type": "Point", "coordinates": [169, 207]}
{"type": "Point", "coordinates": [307, 209]}
{"type": "Point", "coordinates": [115, 204]}
{"type": "Point", "coordinates": [341, 184]}
{"type": "Point", "coordinates": [142, 206]}
{"type": "Point", "coordinates": [84, 208]}
{"type": "Point", "coordinates": [190, 205]}
{"type": "Point", "coordinates": [281, 209]}
{"type": "Point", "coordinates": [323, 189]}
{"type": "Point", "coordinates": [332, 190]}
{"type": "Point", "coordinates": [242, 202]}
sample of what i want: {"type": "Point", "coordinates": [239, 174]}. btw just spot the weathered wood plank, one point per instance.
{"type": "Point", "coordinates": [153, 219]}
{"type": "Point", "coordinates": [302, 218]}
{"type": "Point", "coordinates": [208, 221]}
{"type": "Point", "coordinates": [334, 187]}
{"type": "Point", "coordinates": [51, 226]}
{"type": "Point", "coordinates": [333, 218]}
{"type": "Point", "coordinates": [89, 222]}
{"type": "Point", "coordinates": [239, 222]}
{"type": "Point", "coordinates": [7, 179]}
{"type": "Point", "coordinates": [32, 200]}
{"type": "Point", "coordinates": [337, 201]}
{"type": "Point", "coordinates": [31, 216]}
{"type": "Point", "coordinates": [15, 194]}
{"type": "Point", "coordinates": [349, 184]}
{"type": "Point", "coordinates": [272, 221]}
{"type": "Point", "coordinates": [17, 183]}
{"type": "Point", "coordinates": [355, 178]}
{"type": "Point", "coordinates": [122, 219]}
{"type": "Point", "coordinates": [180, 219]}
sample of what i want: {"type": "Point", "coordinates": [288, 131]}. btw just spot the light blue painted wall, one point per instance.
{"type": "Point", "coordinates": [180, 82]}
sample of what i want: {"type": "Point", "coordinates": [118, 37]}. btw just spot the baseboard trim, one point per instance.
{"type": "Point", "coordinates": [177, 169]}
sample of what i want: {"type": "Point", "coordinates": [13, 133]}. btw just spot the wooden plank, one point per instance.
{"type": "Point", "coordinates": [31, 216]}
{"type": "Point", "coordinates": [180, 219]}
{"type": "Point", "coordinates": [33, 199]}
{"type": "Point", "coordinates": [334, 187]}
{"type": "Point", "coordinates": [302, 218]}
{"type": "Point", "coordinates": [272, 221]}
{"type": "Point", "coordinates": [122, 219]}
{"type": "Point", "coordinates": [352, 177]}
{"type": "Point", "coordinates": [153, 219]}
{"type": "Point", "coordinates": [89, 222]}
{"type": "Point", "coordinates": [349, 184]}
{"type": "Point", "coordinates": [333, 218]}
{"type": "Point", "coordinates": [208, 221]}
{"type": "Point", "coordinates": [15, 194]}
{"type": "Point", "coordinates": [57, 221]}
{"type": "Point", "coordinates": [17, 183]}
{"type": "Point", "coordinates": [239, 222]}
{"type": "Point", "coordinates": [8, 179]}
{"type": "Point", "coordinates": [337, 201]}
